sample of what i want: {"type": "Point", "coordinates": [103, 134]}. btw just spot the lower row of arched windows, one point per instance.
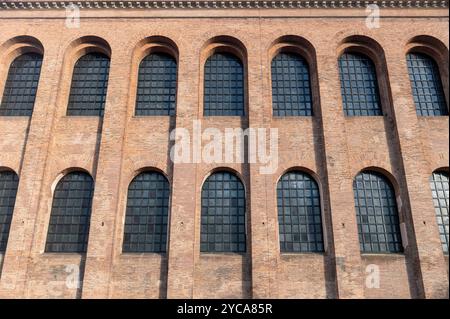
{"type": "Point", "coordinates": [223, 212]}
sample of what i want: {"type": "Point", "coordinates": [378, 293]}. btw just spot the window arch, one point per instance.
{"type": "Point", "coordinates": [223, 85]}
{"type": "Point", "coordinates": [359, 85]}
{"type": "Point", "coordinates": [376, 214]}
{"type": "Point", "coordinates": [89, 85]}
{"type": "Point", "coordinates": [426, 85]}
{"type": "Point", "coordinates": [440, 192]}
{"type": "Point", "coordinates": [147, 213]}
{"type": "Point", "coordinates": [223, 214]}
{"type": "Point", "coordinates": [157, 84]}
{"type": "Point", "coordinates": [291, 88]}
{"type": "Point", "coordinates": [21, 85]}
{"type": "Point", "coordinates": [68, 229]}
{"type": "Point", "coordinates": [8, 190]}
{"type": "Point", "coordinates": [299, 213]}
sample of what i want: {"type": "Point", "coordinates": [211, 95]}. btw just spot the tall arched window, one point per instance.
{"type": "Point", "coordinates": [89, 85]}
{"type": "Point", "coordinates": [21, 85]}
{"type": "Point", "coordinates": [70, 216]}
{"type": "Point", "coordinates": [299, 213]}
{"type": "Point", "coordinates": [8, 190]}
{"type": "Point", "coordinates": [291, 89]}
{"type": "Point", "coordinates": [157, 84]}
{"type": "Point", "coordinates": [426, 85]}
{"type": "Point", "coordinates": [223, 214]}
{"type": "Point", "coordinates": [376, 214]}
{"type": "Point", "coordinates": [440, 191]}
{"type": "Point", "coordinates": [224, 85]}
{"type": "Point", "coordinates": [359, 85]}
{"type": "Point", "coordinates": [147, 214]}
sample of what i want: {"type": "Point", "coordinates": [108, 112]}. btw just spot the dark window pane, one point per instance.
{"type": "Point", "coordinates": [426, 85]}
{"type": "Point", "coordinates": [291, 91]}
{"type": "Point", "coordinates": [223, 214]}
{"type": "Point", "coordinates": [147, 214]}
{"type": "Point", "coordinates": [224, 85]}
{"type": "Point", "coordinates": [359, 86]}
{"type": "Point", "coordinates": [376, 214]}
{"type": "Point", "coordinates": [440, 191]}
{"type": "Point", "coordinates": [8, 190]}
{"type": "Point", "coordinates": [299, 213]}
{"type": "Point", "coordinates": [89, 84]}
{"type": "Point", "coordinates": [157, 85]}
{"type": "Point", "coordinates": [21, 85]}
{"type": "Point", "coordinates": [71, 212]}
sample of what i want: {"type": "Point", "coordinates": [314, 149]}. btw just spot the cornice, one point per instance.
{"type": "Point", "coordinates": [212, 4]}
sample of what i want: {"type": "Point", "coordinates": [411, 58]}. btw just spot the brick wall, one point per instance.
{"type": "Point", "coordinates": [330, 146]}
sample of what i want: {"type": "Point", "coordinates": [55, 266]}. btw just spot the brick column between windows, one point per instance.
{"type": "Point", "coordinates": [97, 274]}
{"type": "Point", "coordinates": [21, 234]}
{"type": "Point", "coordinates": [180, 281]}
{"type": "Point", "coordinates": [412, 139]}
{"type": "Point", "coordinates": [261, 193]}
{"type": "Point", "coordinates": [343, 217]}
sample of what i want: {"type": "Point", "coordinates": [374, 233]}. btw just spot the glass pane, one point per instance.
{"type": "Point", "coordinates": [223, 214]}
{"type": "Point", "coordinates": [70, 216]}
{"type": "Point", "coordinates": [291, 91]}
{"type": "Point", "coordinates": [21, 86]}
{"type": "Point", "coordinates": [359, 86]}
{"type": "Point", "coordinates": [299, 213]}
{"type": "Point", "coordinates": [147, 214]}
{"type": "Point", "coordinates": [440, 191]}
{"type": "Point", "coordinates": [8, 190]}
{"type": "Point", "coordinates": [426, 85]}
{"type": "Point", "coordinates": [224, 86]}
{"type": "Point", "coordinates": [89, 84]}
{"type": "Point", "coordinates": [376, 214]}
{"type": "Point", "coordinates": [157, 85]}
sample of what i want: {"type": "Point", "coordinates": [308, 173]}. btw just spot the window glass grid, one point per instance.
{"type": "Point", "coordinates": [68, 229]}
{"type": "Point", "coordinates": [8, 191]}
{"type": "Point", "coordinates": [299, 213]}
{"type": "Point", "coordinates": [440, 190]}
{"type": "Point", "coordinates": [426, 85]}
{"type": "Point", "coordinates": [291, 91]}
{"type": "Point", "coordinates": [157, 85]}
{"type": "Point", "coordinates": [223, 214]}
{"type": "Point", "coordinates": [359, 86]}
{"type": "Point", "coordinates": [147, 214]}
{"type": "Point", "coordinates": [223, 86]}
{"type": "Point", "coordinates": [376, 214]}
{"type": "Point", "coordinates": [21, 85]}
{"type": "Point", "coordinates": [89, 85]}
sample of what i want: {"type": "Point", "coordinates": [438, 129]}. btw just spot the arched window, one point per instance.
{"type": "Point", "coordinates": [291, 89]}
{"type": "Point", "coordinates": [157, 85]}
{"type": "Point", "coordinates": [70, 216]}
{"type": "Point", "coordinates": [426, 85]}
{"type": "Point", "coordinates": [21, 85]}
{"type": "Point", "coordinates": [223, 214]}
{"type": "Point", "coordinates": [89, 85]}
{"type": "Point", "coordinates": [147, 214]}
{"type": "Point", "coordinates": [299, 213]}
{"type": "Point", "coordinates": [376, 214]}
{"type": "Point", "coordinates": [224, 85]}
{"type": "Point", "coordinates": [359, 85]}
{"type": "Point", "coordinates": [440, 190]}
{"type": "Point", "coordinates": [8, 190]}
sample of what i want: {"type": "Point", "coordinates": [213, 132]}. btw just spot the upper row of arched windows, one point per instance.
{"type": "Point", "coordinates": [224, 85]}
{"type": "Point", "coordinates": [223, 212]}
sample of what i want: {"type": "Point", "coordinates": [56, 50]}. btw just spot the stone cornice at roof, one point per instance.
{"type": "Point", "coordinates": [227, 4]}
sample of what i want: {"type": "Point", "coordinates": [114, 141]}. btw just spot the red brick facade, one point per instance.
{"type": "Point", "coordinates": [332, 147]}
